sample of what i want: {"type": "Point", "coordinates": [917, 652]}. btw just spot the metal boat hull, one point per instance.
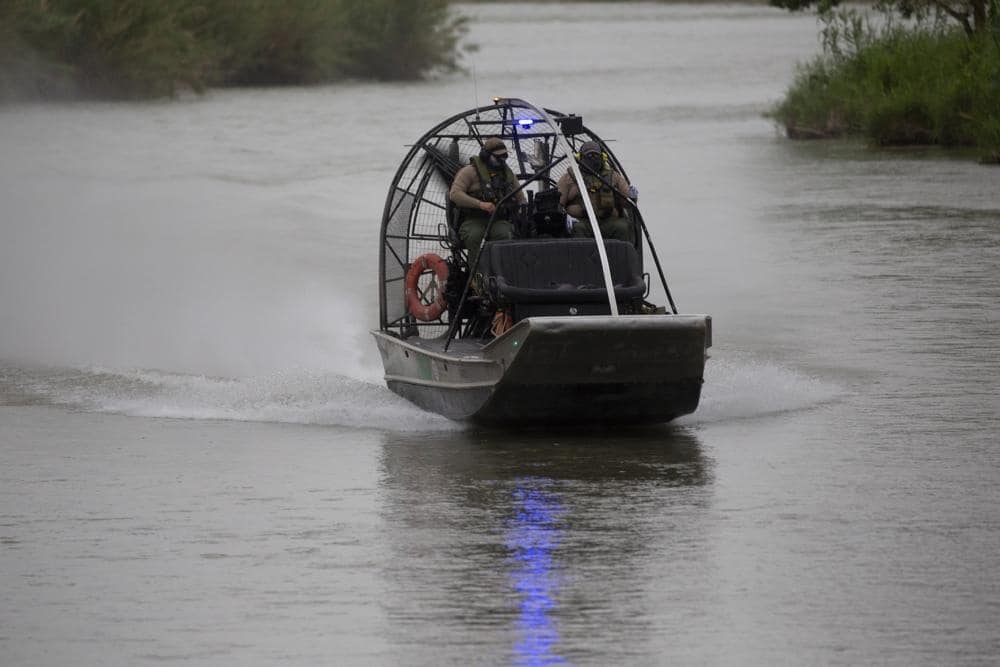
{"type": "Point", "coordinates": [577, 370]}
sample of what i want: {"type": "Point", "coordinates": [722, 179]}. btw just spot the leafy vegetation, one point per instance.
{"type": "Point", "coordinates": [975, 16]}
{"type": "Point", "coordinates": [899, 83]}
{"type": "Point", "coordinates": [148, 48]}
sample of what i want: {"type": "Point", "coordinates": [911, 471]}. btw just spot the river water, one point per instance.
{"type": "Point", "coordinates": [199, 463]}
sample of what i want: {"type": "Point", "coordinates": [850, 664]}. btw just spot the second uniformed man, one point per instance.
{"type": "Point", "coordinates": [607, 190]}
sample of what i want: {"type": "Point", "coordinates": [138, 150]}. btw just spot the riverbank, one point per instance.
{"type": "Point", "coordinates": [899, 86]}
{"type": "Point", "coordinates": [115, 49]}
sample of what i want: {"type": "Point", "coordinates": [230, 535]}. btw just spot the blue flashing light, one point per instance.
{"type": "Point", "coordinates": [525, 122]}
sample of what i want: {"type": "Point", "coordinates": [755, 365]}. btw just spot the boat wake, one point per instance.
{"type": "Point", "coordinates": [735, 388]}
{"type": "Point", "coordinates": [742, 388]}
{"type": "Point", "coordinates": [295, 397]}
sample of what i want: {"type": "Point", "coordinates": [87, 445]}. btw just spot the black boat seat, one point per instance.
{"type": "Point", "coordinates": [559, 271]}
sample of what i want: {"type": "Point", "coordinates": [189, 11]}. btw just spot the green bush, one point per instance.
{"type": "Point", "coordinates": [146, 48]}
{"type": "Point", "coordinates": [107, 47]}
{"type": "Point", "coordinates": [898, 85]}
{"type": "Point", "coordinates": [397, 39]}
{"type": "Point", "coordinates": [268, 42]}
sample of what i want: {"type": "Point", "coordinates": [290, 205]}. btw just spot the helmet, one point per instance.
{"type": "Point", "coordinates": [493, 144]}
{"type": "Point", "coordinates": [494, 152]}
{"type": "Point", "coordinates": [590, 147]}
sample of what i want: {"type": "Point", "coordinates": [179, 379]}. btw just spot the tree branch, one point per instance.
{"type": "Point", "coordinates": [961, 17]}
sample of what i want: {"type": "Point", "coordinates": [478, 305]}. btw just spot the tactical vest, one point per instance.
{"type": "Point", "coordinates": [494, 185]}
{"type": "Point", "coordinates": [602, 195]}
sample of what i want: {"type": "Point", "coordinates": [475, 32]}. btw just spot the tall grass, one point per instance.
{"type": "Point", "coordinates": [147, 48]}
{"type": "Point", "coordinates": [899, 85]}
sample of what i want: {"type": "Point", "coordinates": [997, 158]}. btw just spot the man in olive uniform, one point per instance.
{"type": "Point", "coordinates": [478, 188]}
{"type": "Point", "coordinates": [607, 190]}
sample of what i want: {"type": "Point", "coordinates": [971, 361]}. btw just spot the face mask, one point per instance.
{"type": "Point", "coordinates": [593, 160]}
{"type": "Point", "coordinates": [495, 160]}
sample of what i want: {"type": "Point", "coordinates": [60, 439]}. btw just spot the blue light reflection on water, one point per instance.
{"type": "Point", "coordinates": [533, 534]}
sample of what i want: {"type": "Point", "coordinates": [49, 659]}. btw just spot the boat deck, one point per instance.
{"type": "Point", "coordinates": [458, 348]}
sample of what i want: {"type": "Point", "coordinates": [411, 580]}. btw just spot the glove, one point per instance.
{"type": "Point", "coordinates": [633, 193]}
{"type": "Point", "coordinates": [570, 222]}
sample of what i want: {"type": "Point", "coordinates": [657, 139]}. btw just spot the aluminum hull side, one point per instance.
{"type": "Point", "coordinates": [455, 384]}
{"type": "Point", "coordinates": [584, 369]}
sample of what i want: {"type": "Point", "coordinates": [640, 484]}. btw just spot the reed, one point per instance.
{"type": "Point", "coordinates": [150, 48]}
{"type": "Point", "coordinates": [899, 85]}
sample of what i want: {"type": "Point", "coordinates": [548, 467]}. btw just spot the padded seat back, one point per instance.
{"type": "Point", "coordinates": [560, 271]}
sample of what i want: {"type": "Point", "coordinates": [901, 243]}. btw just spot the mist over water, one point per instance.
{"type": "Point", "coordinates": [137, 242]}
{"type": "Point", "coordinates": [200, 462]}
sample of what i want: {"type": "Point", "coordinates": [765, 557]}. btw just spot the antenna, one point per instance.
{"type": "Point", "coordinates": [475, 91]}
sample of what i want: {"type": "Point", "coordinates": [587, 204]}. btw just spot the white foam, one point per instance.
{"type": "Point", "coordinates": [738, 386]}
{"type": "Point", "coordinates": [296, 396]}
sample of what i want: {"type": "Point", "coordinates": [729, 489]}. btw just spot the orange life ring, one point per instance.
{"type": "Point", "coordinates": [420, 310]}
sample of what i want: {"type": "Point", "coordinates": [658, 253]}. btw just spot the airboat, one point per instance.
{"type": "Point", "coordinates": [542, 328]}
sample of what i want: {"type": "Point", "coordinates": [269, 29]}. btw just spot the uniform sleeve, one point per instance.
{"type": "Point", "coordinates": [621, 185]}
{"type": "Point", "coordinates": [569, 195]}
{"type": "Point", "coordinates": [459, 193]}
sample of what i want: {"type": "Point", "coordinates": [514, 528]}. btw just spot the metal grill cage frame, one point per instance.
{"type": "Point", "coordinates": [417, 219]}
